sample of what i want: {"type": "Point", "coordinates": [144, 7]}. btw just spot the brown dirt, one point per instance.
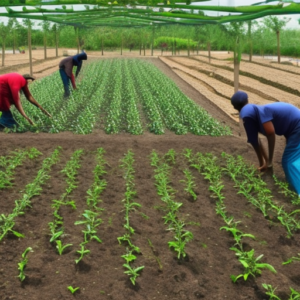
{"type": "Point", "coordinates": [205, 274]}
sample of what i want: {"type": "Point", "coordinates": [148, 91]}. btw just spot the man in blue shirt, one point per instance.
{"type": "Point", "coordinates": [275, 118]}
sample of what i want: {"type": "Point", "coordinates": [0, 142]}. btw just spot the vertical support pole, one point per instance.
{"type": "Point", "coordinates": [56, 41]}
{"type": "Point", "coordinates": [30, 49]}
{"type": "Point", "coordinates": [78, 43]}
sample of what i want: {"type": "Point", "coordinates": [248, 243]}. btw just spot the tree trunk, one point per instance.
{"type": "Point", "coordinates": [122, 45]}
{"type": "Point", "coordinates": [30, 50]}
{"type": "Point", "coordinates": [209, 52]}
{"type": "Point", "coordinates": [251, 51]}
{"type": "Point", "coordinates": [56, 43]}
{"type": "Point", "coordinates": [45, 46]}
{"type": "Point", "coordinates": [14, 42]}
{"type": "Point", "coordinates": [278, 45]}
{"type": "Point", "coordinates": [3, 51]}
{"type": "Point", "coordinates": [236, 73]}
{"type": "Point", "coordinates": [152, 44]}
{"type": "Point", "coordinates": [78, 43]}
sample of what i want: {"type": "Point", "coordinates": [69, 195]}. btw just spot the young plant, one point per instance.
{"type": "Point", "coordinates": [190, 184]}
{"type": "Point", "coordinates": [82, 252]}
{"type": "Point", "coordinates": [133, 272]}
{"type": "Point", "coordinates": [251, 264]}
{"type": "Point", "coordinates": [22, 264]}
{"type": "Point", "coordinates": [60, 247]}
{"type": "Point", "coordinates": [270, 291]}
{"type": "Point", "coordinates": [73, 290]}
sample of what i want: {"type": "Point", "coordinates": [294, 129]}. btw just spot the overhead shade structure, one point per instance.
{"type": "Point", "coordinates": [129, 13]}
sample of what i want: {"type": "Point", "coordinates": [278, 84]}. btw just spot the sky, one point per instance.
{"type": "Point", "coordinates": [293, 23]}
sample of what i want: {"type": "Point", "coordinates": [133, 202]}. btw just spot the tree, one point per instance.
{"type": "Point", "coordinates": [4, 31]}
{"type": "Point", "coordinates": [236, 33]}
{"type": "Point", "coordinates": [29, 23]}
{"type": "Point", "coordinates": [46, 29]}
{"type": "Point", "coordinates": [276, 24]}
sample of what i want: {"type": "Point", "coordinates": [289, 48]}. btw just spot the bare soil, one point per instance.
{"type": "Point", "coordinates": [204, 274]}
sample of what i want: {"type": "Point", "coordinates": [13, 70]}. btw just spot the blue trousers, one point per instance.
{"type": "Point", "coordinates": [66, 82]}
{"type": "Point", "coordinates": [291, 162]}
{"type": "Point", "coordinates": [7, 119]}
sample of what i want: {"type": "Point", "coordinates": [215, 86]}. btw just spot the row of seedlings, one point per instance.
{"type": "Point", "coordinates": [129, 205]}
{"type": "Point", "coordinates": [162, 182]}
{"type": "Point", "coordinates": [256, 191]}
{"type": "Point", "coordinates": [56, 226]}
{"type": "Point", "coordinates": [284, 189]}
{"type": "Point", "coordinates": [32, 189]}
{"type": "Point", "coordinates": [207, 165]}
{"type": "Point", "coordinates": [91, 216]}
{"type": "Point", "coordinates": [9, 163]}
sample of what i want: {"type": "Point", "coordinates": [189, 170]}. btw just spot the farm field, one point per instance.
{"type": "Point", "coordinates": [130, 171]}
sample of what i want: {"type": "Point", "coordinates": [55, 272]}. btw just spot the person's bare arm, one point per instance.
{"type": "Point", "coordinates": [270, 134]}
{"type": "Point", "coordinates": [73, 81]}
{"type": "Point", "coordinates": [22, 112]}
{"type": "Point", "coordinates": [260, 153]}
{"type": "Point", "coordinates": [30, 98]}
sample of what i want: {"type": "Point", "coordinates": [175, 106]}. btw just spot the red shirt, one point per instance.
{"type": "Point", "coordinates": [10, 85]}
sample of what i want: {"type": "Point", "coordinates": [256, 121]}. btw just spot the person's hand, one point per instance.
{"type": "Point", "coordinates": [46, 113]}
{"type": "Point", "coordinates": [31, 122]}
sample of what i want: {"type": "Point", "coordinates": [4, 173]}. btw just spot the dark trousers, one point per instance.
{"type": "Point", "coordinates": [66, 82]}
{"type": "Point", "coordinates": [7, 119]}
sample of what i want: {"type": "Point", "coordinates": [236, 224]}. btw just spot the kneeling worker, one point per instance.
{"type": "Point", "coordinates": [10, 86]}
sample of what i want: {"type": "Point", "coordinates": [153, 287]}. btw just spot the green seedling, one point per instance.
{"type": "Point", "coordinates": [251, 264]}
{"type": "Point", "coordinates": [22, 264]}
{"type": "Point", "coordinates": [82, 252]}
{"type": "Point", "coordinates": [238, 235]}
{"type": "Point", "coordinates": [290, 260]}
{"type": "Point", "coordinates": [182, 237]}
{"type": "Point", "coordinates": [170, 156]}
{"type": "Point", "coordinates": [73, 290]}
{"type": "Point", "coordinates": [60, 247]}
{"type": "Point", "coordinates": [190, 184]}
{"type": "Point", "coordinates": [270, 291]}
{"type": "Point", "coordinates": [133, 272]}
{"type": "Point", "coordinates": [294, 295]}
{"type": "Point", "coordinates": [92, 222]}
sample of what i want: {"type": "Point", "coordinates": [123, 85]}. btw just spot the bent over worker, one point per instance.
{"type": "Point", "coordinates": [272, 119]}
{"type": "Point", "coordinates": [66, 70]}
{"type": "Point", "coordinates": [10, 86]}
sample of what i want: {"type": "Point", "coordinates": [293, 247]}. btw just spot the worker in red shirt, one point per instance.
{"type": "Point", "coordinates": [10, 86]}
{"type": "Point", "coordinates": [66, 70]}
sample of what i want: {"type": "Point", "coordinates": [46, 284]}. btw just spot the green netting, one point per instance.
{"type": "Point", "coordinates": [138, 12]}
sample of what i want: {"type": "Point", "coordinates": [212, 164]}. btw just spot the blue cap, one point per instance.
{"type": "Point", "coordinates": [239, 99]}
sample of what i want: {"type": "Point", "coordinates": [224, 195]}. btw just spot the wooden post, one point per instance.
{"type": "Point", "coordinates": [29, 49]}
{"type": "Point", "coordinates": [56, 41]}
{"type": "Point", "coordinates": [45, 45]}
{"type": "Point", "coordinates": [78, 42]}
{"type": "Point", "coordinates": [14, 41]}
{"type": "Point", "coordinates": [122, 44]}
{"type": "Point", "coordinates": [236, 62]}
{"type": "Point", "coordinates": [152, 44]}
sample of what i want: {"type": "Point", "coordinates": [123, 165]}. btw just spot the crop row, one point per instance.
{"type": "Point", "coordinates": [118, 95]}
{"type": "Point", "coordinates": [213, 169]}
